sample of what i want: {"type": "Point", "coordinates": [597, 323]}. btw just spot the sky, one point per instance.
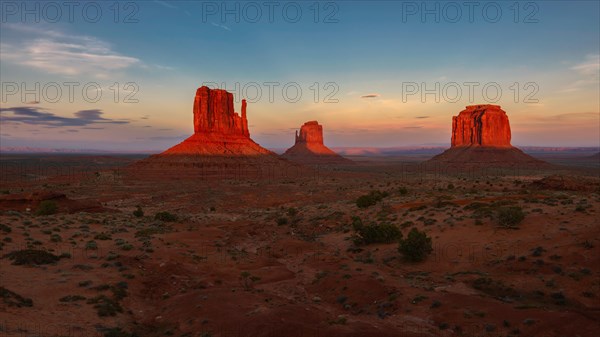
{"type": "Point", "coordinates": [121, 76]}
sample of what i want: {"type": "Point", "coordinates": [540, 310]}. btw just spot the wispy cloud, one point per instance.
{"type": "Point", "coordinates": [421, 117]}
{"type": "Point", "coordinates": [220, 26]}
{"type": "Point", "coordinates": [589, 70]}
{"type": "Point", "coordinates": [35, 116]}
{"type": "Point", "coordinates": [165, 4]}
{"type": "Point", "coordinates": [589, 67]}
{"type": "Point", "coordinates": [56, 52]}
{"type": "Point", "coordinates": [370, 96]}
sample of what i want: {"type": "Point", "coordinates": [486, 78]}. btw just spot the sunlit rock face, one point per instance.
{"type": "Point", "coordinates": [481, 125]}
{"type": "Point", "coordinates": [218, 129]}
{"type": "Point", "coordinates": [481, 137]}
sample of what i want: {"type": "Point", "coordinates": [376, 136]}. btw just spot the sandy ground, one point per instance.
{"type": "Point", "coordinates": [229, 266]}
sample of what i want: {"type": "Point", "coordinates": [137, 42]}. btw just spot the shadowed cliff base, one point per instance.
{"type": "Point", "coordinates": [481, 137]}
{"type": "Point", "coordinates": [468, 156]}
{"type": "Point", "coordinates": [169, 166]}
{"type": "Point", "coordinates": [309, 148]}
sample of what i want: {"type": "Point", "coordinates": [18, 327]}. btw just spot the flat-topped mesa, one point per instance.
{"type": "Point", "coordinates": [481, 125]}
{"type": "Point", "coordinates": [309, 148]}
{"type": "Point", "coordinates": [214, 113]}
{"type": "Point", "coordinates": [310, 133]}
{"type": "Point", "coordinates": [481, 138]}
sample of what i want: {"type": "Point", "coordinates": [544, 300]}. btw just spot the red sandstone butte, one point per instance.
{"type": "Point", "coordinates": [309, 147]}
{"type": "Point", "coordinates": [218, 129]}
{"type": "Point", "coordinates": [481, 136]}
{"type": "Point", "coordinates": [481, 125]}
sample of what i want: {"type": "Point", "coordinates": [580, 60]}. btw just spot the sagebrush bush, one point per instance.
{"type": "Point", "coordinates": [32, 257]}
{"type": "Point", "coordinates": [416, 246]}
{"type": "Point", "coordinates": [370, 199]}
{"type": "Point", "coordinates": [165, 216]}
{"type": "Point", "coordinates": [47, 207]}
{"type": "Point", "coordinates": [138, 213]}
{"type": "Point", "coordinates": [510, 216]}
{"type": "Point", "coordinates": [374, 232]}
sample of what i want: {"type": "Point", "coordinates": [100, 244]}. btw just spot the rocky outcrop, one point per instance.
{"type": "Point", "coordinates": [309, 148]}
{"type": "Point", "coordinates": [220, 147]}
{"type": "Point", "coordinates": [218, 129]}
{"type": "Point", "coordinates": [481, 125]}
{"type": "Point", "coordinates": [214, 113]}
{"type": "Point", "coordinates": [310, 133]}
{"type": "Point", "coordinates": [481, 137]}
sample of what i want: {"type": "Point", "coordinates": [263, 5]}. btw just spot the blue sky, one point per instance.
{"type": "Point", "coordinates": [364, 58]}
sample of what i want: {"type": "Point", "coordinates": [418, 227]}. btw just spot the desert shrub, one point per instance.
{"type": "Point", "coordinates": [248, 279]}
{"type": "Point", "coordinates": [84, 283]}
{"type": "Point", "coordinates": [148, 232]}
{"type": "Point", "coordinates": [118, 332]}
{"type": "Point", "coordinates": [282, 221]}
{"type": "Point", "coordinates": [13, 299]}
{"type": "Point", "coordinates": [374, 232]}
{"type": "Point", "coordinates": [31, 257]}
{"type": "Point", "coordinates": [416, 246]}
{"type": "Point", "coordinates": [5, 228]}
{"type": "Point", "coordinates": [47, 207]}
{"type": "Point", "coordinates": [292, 211]}
{"type": "Point", "coordinates": [102, 236]}
{"type": "Point", "coordinates": [105, 306]}
{"type": "Point", "coordinates": [138, 213]}
{"type": "Point", "coordinates": [510, 216]}
{"type": "Point", "coordinates": [91, 245]}
{"type": "Point", "coordinates": [402, 190]}
{"type": "Point", "coordinates": [370, 199]}
{"type": "Point", "coordinates": [72, 298]}
{"type": "Point", "coordinates": [165, 216]}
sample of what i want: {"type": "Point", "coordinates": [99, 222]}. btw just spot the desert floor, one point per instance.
{"type": "Point", "coordinates": [256, 256]}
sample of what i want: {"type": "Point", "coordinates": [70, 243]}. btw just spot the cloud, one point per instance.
{"type": "Point", "coordinates": [421, 117]}
{"type": "Point", "coordinates": [589, 70]}
{"type": "Point", "coordinates": [370, 96]}
{"type": "Point", "coordinates": [590, 67]}
{"type": "Point", "coordinates": [33, 102]}
{"type": "Point", "coordinates": [220, 26]}
{"type": "Point", "coordinates": [35, 116]}
{"type": "Point", "coordinates": [56, 52]}
{"type": "Point", "coordinates": [165, 4]}
{"type": "Point", "coordinates": [413, 127]}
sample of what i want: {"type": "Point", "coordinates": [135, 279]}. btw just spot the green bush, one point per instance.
{"type": "Point", "coordinates": [118, 332]}
{"type": "Point", "coordinates": [31, 257]}
{"type": "Point", "coordinates": [370, 199]}
{"type": "Point", "coordinates": [292, 211]}
{"type": "Point", "coordinates": [165, 216]}
{"type": "Point", "coordinates": [510, 216]}
{"type": "Point", "coordinates": [138, 213]}
{"type": "Point", "coordinates": [47, 207]}
{"type": "Point", "coordinates": [105, 306]}
{"type": "Point", "coordinates": [374, 233]}
{"type": "Point", "coordinates": [416, 246]}
{"type": "Point", "coordinates": [13, 299]}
